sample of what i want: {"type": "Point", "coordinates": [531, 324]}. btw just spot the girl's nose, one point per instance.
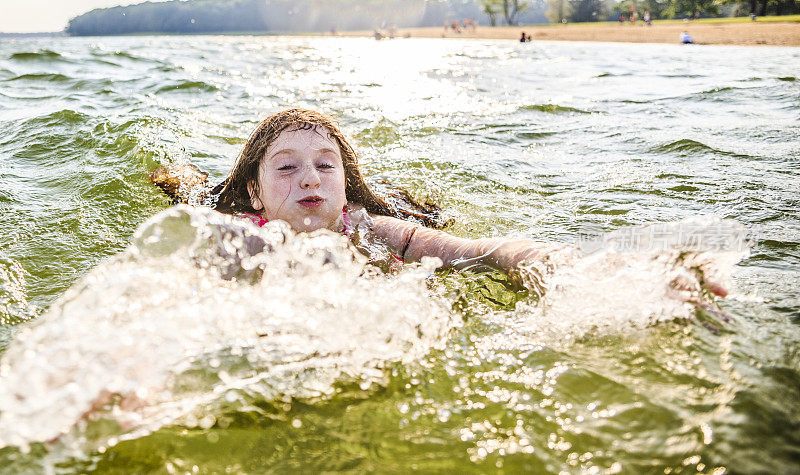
{"type": "Point", "coordinates": [310, 178]}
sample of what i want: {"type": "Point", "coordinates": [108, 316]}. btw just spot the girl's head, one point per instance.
{"type": "Point", "coordinates": [297, 166]}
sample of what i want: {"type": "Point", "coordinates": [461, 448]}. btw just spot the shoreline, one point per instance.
{"type": "Point", "coordinates": [742, 33]}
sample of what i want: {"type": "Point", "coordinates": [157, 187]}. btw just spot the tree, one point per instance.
{"type": "Point", "coordinates": [765, 7]}
{"type": "Point", "coordinates": [511, 8]}
{"type": "Point", "coordinates": [678, 8]}
{"type": "Point", "coordinates": [655, 7]}
{"type": "Point", "coordinates": [492, 8]}
{"type": "Point", "coordinates": [558, 10]}
{"type": "Point", "coordinates": [585, 10]}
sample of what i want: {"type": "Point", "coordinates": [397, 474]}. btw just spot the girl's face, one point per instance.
{"type": "Point", "coordinates": [301, 180]}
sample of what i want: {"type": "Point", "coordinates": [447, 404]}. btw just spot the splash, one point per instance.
{"type": "Point", "coordinates": [200, 309]}
{"type": "Point", "coordinates": [632, 278]}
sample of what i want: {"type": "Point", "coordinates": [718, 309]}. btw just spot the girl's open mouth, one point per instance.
{"type": "Point", "coordinates": [311, 201]}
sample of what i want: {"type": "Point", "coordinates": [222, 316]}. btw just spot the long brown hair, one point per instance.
{"type": "Point", "coordinates": [234, 192]}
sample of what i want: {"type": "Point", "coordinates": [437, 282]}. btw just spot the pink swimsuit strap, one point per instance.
{"type": "Point", "coordinates": [261, 221]}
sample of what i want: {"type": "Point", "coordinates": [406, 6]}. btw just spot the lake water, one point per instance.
{"type": "Point", "coordinates": [122, 346]}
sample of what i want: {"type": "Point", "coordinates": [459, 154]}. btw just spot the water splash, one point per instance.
{"type": "Point", "coordinates": [633, 278]}
{"type": "Point", "coordinates": [162, 333]}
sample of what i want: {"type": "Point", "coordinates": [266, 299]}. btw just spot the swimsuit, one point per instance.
{"type": "Point", "coordinates": [260, 221]}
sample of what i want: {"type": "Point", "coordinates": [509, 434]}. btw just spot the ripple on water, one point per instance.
{"type": "Point", "coordinates": [43, 55]}
{"type": "Point", "coordinates": [63, 117]}
{"type": "Point", "coordinates": [14, 306]}
{"type": "Point", "coordinates": [689, 148]}
{"type": "Point", "coordinates": [187, 87]}
{"type": "Point", "coordinates": [41, 77]}
{"type": "Point", "coordinates": [554, 109]}
{"type": "Point", "coordinates": [122, 54]}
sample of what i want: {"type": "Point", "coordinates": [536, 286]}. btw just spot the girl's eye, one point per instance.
{"type": "Point", "coordinates": [286, 168]}
{"type": "Point", "coordinates": [325, 166]}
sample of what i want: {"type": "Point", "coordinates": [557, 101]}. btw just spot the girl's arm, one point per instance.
{"type": "Point", "coordinates": [412, 242]}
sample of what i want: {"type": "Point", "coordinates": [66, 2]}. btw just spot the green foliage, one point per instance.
{"type": "Point", "coordinates": [576, 10]}
{"type": "Point", "coordinates": [509, 8]}
{"type": "Point", "coordinates": [492, 8]}
{"type": "Point", "coordinates": [678, 8]}
{"type": "Point", "coordinates": [656, 8]}
{"type": "Point", "coordinates": [216, 16]}
{"type": "Point", "coordinates": [558, 10]}
{"type": "Point", "coordinates": [769, 7]}
{"type": "Point", "coordinates": [512, 8]}
{"type": "Point", "coordinates": [586, 10]}
{"type": "Point", "coordinates": [595, 10]}
{"type": "Point", "coordinates": [198, 16]}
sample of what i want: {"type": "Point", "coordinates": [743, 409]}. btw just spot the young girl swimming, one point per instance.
{"type": "Point", "coordinates": [298, 167]}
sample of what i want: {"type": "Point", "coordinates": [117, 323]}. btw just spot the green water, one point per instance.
{"type": "Point", "coordinates": [553, 141]}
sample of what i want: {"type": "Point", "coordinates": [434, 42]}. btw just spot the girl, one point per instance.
{"type": "Point", "coordinates": [298, 167]}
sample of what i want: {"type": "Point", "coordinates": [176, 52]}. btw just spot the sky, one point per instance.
{"type": "Point", "coordinates": [28, 16]}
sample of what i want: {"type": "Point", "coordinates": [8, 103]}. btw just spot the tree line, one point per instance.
{"type": "Point", "coordinates": [602, 10]}
{"type": "Point", "coordinates": [218, 16]}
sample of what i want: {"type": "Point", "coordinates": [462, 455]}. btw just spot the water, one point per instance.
{"type": "Point", "coordinates": [139, 356]}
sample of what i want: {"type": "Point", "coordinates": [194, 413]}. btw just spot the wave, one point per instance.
{"type": "Point", "coordinates": [49, 77]}
{"type": "Point", "coordinates": [715, 95]}
{"type": "Point", "coordinates": [381, 135]}
{"type": "Point", "coordinates": [554, 109]}
{"type": "Point", "coordinates": [62, 117]}
{"type": "Point", "coordinates": [613, 75]}
{"type": "Point", "coordinates": [188, 86]}
{"type": "Point", "coordinates": [14, 306]}
{"type": "Point", "coordinates": [119, 54]}
{"type": "Point", "coordinates": [200, 310]}
{"type": "Point", "coordinates": [686, 147]}
{"type": "Point", "coordinates": [41, 55]}
{"type": "Point", "coordinates": [534, 135]}
{"type": "Point", "coordinates": [715, 90]}
{"type": "Point", "coordinates": [682, 188]}
{"type": "Point", "coordinates": [688, 76]}
{"type": "Point", "coordinates": [515, 129]}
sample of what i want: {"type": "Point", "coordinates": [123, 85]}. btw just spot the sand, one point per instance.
{"type": "Point", "coordinates": [744, 33]}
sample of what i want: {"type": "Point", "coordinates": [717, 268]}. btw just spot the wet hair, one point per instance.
{"type": "Point", "coordinates": [233, 194]}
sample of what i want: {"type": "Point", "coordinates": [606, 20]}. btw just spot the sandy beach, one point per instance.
{"type": "Point", "coordinates": [744, 33]}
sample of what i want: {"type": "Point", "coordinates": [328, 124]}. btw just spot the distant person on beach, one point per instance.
{"type": "Point", "coordinates": [686, 38]}
{"type": "Point", "coordinates": [647, 19]}
{"type": "Point", "coordinates": [298, 167]}
{"type": "Point", "coordinates": [524, 38]}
